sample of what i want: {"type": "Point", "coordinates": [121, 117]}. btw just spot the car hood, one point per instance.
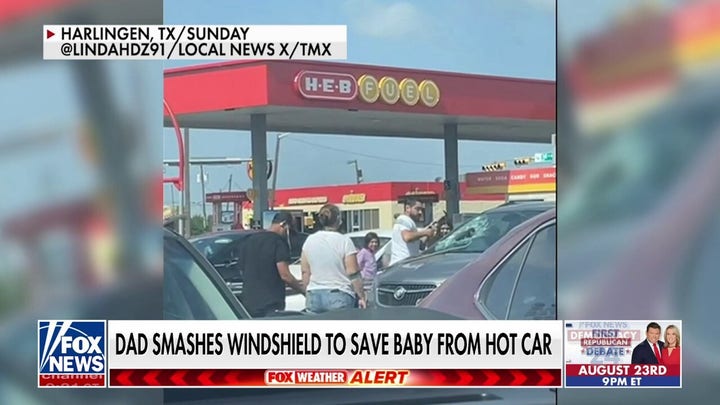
{"type": "Point", "coordinates": [393, 313]}
{"type": "Point", "coordinates": [436, 266]}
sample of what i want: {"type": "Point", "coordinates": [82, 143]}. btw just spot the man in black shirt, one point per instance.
{"type": "Point", "coordinates": [265, 261]}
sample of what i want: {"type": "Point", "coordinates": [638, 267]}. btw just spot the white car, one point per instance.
{"type": "Point", "coordinates": [296, 302]}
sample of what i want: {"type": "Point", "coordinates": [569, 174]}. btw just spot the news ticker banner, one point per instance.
{"type": "Point", "coordinates": [277, 353]}
{"type": "Point", "coordinates": [620, 354]}
{"type": "Point", "coordinates": [215, 42]}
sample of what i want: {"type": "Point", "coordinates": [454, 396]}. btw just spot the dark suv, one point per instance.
{"type": "Point", "coordinates": [407, 282]}
{"type": "Point", "coordinates": [222, 249]}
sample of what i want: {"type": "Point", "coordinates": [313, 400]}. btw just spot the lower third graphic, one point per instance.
{"type": "Point", "coordinates": [71, 354]}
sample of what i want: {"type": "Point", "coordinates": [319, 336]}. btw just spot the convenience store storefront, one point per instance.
{"type": "Point", "coordinates": [513, 185]}
{"type": "Point", "coordinates": [372, 205]}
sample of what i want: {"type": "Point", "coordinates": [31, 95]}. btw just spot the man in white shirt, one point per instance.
{"type": "Point", "coordinates": [406, 237]}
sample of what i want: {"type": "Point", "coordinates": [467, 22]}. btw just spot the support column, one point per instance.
{"type": "Point", "coordinates": [452, 171]}
{"type": "Point", "coordinates": [187, 202]}
{"type": "Point", "coordinates": [258, 141]}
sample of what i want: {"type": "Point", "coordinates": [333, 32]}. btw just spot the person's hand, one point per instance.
{"type": "Point", "coordinates": [362, 303]}
{"type": "Point", "coordinates": [430, 231]}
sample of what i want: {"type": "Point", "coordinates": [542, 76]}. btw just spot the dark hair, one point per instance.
{"type": "Point", "coordinates": [652, 325]}
{"type": "Point", "coordinates": [411, 202]}
{"type": "Point", "coordinates": [329, 216]}
{"type": "Point", "coordinates": [369, 237]}
{"type": "Point", "coordinates": [283, 217]}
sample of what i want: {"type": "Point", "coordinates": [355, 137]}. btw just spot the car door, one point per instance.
{"type": "Point", "coordinates": [192, 289]}
{"type": "Point", "coordinates": [523, 284]}
{"type": "Point", "coordinates": [534, 294]}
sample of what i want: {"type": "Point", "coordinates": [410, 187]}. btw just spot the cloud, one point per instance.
{"type": "Point", "coordinates": [386, 20]}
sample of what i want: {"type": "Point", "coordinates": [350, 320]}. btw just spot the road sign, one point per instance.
{"type": "Point", "coordinates": [544, 157]}
{"type": "Point", "coordinates": [251, 194]}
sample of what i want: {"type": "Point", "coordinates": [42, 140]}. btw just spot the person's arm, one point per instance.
{"type": "Point", "coordinates": [288, 278]}
{"type": "Point", "coordinates": [305, 267]}
{"type": "Point", "coordinates": [409, 235]}
{"type": "Point", "coordinates": [282, 260]}
{"type": "Point", "coordinates": [353, 272]}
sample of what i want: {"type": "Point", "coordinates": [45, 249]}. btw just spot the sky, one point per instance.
{"type": "Point", "coordinates": [492, 37]}
{"type": "Point", "coordinates": [496, 37]}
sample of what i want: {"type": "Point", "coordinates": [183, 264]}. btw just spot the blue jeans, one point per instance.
{"type": "Point", "coordinates": [319, 301]}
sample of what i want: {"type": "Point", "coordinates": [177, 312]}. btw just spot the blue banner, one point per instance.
{"type": "Point", "coordinates": [604, 381]}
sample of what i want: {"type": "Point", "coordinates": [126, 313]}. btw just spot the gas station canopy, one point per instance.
{"type": "Point", "coordinates": [350, 99]}
{"type": "Point", "coordinates": [342, 98]}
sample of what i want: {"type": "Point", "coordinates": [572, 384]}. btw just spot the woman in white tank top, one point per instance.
{"type": "Point", "coordinates": [329, 267]}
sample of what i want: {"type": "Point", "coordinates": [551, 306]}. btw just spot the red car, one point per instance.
{"type": "Point", "coordinates": [514, 279]}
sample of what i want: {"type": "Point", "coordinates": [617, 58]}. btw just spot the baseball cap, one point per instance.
{"type": "Point", "coordinates": [285, 217]}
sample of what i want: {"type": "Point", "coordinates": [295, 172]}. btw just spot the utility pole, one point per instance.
{"type": "Point", "coordinates": [274, 176]}
{"type": "Point", "coordinates": [358, 172]}
{"type": "Point", "coordinates": [227, 204]}
{"type": "Point", "coordinates": [172, 197]}
{"type": "Point", "coordinates": [186, 210]}
{"type": "Point", "coordinates": [202, 187]}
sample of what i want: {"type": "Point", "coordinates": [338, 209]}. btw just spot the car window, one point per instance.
{"type": "Point", "coordinates": [219, 249]}
{"type": "Point", "coordinates": [386, 257]}
{"type": "Point", "coordinates": [534, 296]}
{"type": "Point", "coordinates": [496, 291]}
{"type": "Point", "coordinates": [188, 292]}
{"type": "Point", "coordinates": [296, 240]}
{"type": "Point", "coordinates": [481, 232]}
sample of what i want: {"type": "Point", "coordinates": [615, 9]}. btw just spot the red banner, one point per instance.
{"type": "Point", "coordinates": [71, 380]}
{"type": "Point", "coordinates": [226, 196]}
{"type": "Point", "coordinates": [335, 378]}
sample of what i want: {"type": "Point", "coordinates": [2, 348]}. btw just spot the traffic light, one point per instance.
{"type": "Point", "coordinates": [494, 167]}
{"type": "Point", "coordinates": [523, 161]}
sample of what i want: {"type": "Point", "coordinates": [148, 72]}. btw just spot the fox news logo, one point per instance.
{"type": "Point", "coordinates": [71, 353]}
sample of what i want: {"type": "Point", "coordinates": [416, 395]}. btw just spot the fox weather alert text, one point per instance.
{"type": "Point", "coordinates": [71, 354]}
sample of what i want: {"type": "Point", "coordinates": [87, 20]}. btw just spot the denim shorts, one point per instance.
{"type": "Point", "coordinates": [319, 301]}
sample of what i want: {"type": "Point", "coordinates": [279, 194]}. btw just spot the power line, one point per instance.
{"type": "Point", "coordinates": [388, 159]}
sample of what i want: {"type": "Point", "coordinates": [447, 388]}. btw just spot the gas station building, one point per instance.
{"type": "Point", "coordinates": [375, 205]}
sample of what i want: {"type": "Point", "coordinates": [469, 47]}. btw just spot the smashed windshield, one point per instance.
{"type": "Point", "coordinates": [481, 232]}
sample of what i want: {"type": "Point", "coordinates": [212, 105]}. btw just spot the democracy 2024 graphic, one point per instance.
{"type": "Point", "coordinates": [623, 354]}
